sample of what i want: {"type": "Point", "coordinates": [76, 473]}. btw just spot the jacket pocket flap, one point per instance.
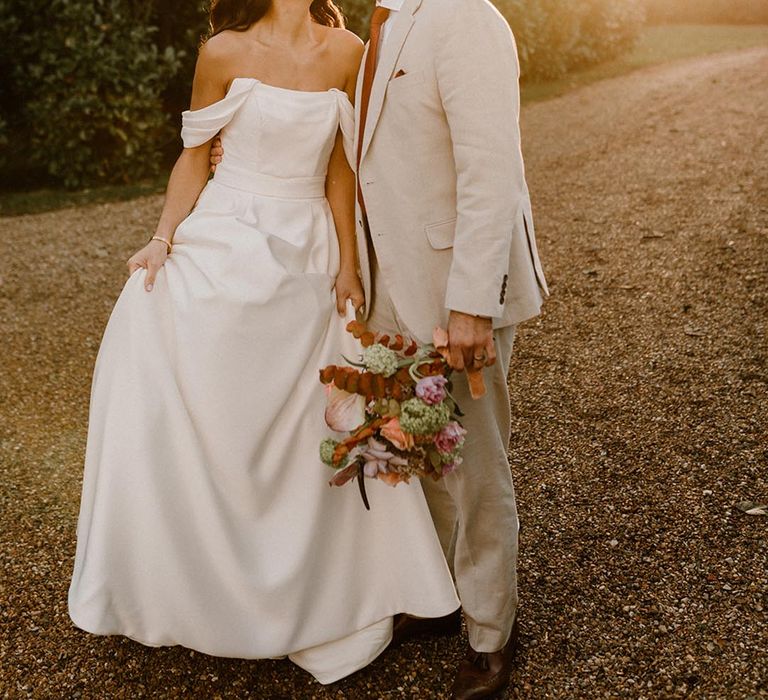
{"type": "Point", "coordinates": [440, 235]}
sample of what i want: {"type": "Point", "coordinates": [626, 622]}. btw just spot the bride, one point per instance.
{"type": "Point", "coordinates": [206, 517]}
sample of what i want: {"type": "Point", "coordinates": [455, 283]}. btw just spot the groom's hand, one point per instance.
{"type": "Point", "coordinates": [217, 151]}
{"type": "Point", "coordinates": [470, 341]}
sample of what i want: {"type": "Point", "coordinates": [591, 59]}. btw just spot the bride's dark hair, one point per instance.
{"type": "Point", "coordinates": [239, 15]}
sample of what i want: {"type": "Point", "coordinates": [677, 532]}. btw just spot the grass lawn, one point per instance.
{"type": "Point", "coordinates": [38, 201]}
{"type": "Point", "coordinates": [656, 45]}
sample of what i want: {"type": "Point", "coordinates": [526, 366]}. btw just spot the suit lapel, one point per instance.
{"type": "Point", "coordinates": [387, 60]}
{"type": "Point", "coordinates": [359, 95]}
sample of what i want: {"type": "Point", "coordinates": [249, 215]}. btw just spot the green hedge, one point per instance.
{"type": "Point", "coordinates": [557, 36]}
{"type": "Point", "coordinates": [92, 89]}
{"type": "Point", "coordinates": [554, 36]}
{"type": "Point", "coordinates": [86, 81]}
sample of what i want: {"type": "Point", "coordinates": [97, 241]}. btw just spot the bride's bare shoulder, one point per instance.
{"type": "Point", "coordinates": [345, 50]}
{"type": "Point", "coordinates": [344, 43]}
{"type": "Point", "coordinates": [218, 62]}
{"type": "Point", "coordinates": [224, 46]}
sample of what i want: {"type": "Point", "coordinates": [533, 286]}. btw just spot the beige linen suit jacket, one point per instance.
{"type": "Point", "coordinates": [442, 171]}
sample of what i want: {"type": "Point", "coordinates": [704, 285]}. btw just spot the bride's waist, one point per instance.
{"type": "Point", "coordinates": [241, 177]}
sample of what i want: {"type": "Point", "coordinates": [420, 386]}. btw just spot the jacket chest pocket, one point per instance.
{"type": "Point", "coordinates": [405, 84]}
{"type": "Point", "coordinates": [441, 234]}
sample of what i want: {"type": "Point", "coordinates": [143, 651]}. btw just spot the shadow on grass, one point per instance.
{"type": "Point", "coordinates": [39, 201]}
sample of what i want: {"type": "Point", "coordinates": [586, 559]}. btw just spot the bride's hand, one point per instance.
{"type": "Point", "coordinates": [151, 257]}
{"type": "Point", "coordinates": [348, 286]}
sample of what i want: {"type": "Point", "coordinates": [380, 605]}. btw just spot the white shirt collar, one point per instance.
{"type": "Point", "coordinates": [394, 5]}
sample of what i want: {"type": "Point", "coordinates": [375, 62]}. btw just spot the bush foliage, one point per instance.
{"type": "Point", "coordinates": [556, 36]}
{"type": "Point", "coordinates": [92, 89]}
{"type": "Point", "coordinates": [89, 87]}
{"type": "Point", "coordinates": [708, 11]}
{"type": "Point", "coordinates": [553, 36]}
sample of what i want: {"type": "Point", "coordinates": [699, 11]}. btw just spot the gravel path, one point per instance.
{"type": "Point", "coordinates": [639, 400]}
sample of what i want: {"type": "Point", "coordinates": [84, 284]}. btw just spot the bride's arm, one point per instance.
{"type": "Point", "coordinates": [340, 190]}
{"type": "Point", "coordinates": [189, 174]}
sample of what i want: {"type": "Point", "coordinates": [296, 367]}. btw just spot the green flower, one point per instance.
{"type": "Point", "coordinates": [380, 360]}
{"type": "Point", "coordinates": [418, 418]}
{"type": "Point", "coordinates": [327, 450]}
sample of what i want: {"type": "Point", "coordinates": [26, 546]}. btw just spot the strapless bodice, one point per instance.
{"type": "Point", "coordinates": [277, 142]}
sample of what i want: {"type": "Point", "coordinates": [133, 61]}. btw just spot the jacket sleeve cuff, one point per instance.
{"type": "Point", "coordinates": [465, 299]}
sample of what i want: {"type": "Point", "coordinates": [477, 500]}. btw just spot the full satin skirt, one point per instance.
{"type": "Point", "coordinates": [206, 518]}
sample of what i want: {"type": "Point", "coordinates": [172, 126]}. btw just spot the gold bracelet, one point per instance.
{"type": "Point", "coordinates": [163, 240]}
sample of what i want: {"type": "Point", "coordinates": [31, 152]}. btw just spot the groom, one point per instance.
{"type": "Point", "coordinates": [445, 238]}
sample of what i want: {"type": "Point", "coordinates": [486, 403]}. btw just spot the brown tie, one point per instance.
{"type": "Point", "coordinates": [380, 15]}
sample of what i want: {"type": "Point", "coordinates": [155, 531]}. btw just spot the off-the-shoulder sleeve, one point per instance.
{"type": "Point", "coordinates": [347, 124]}
{"type": "Point", "coordinates": [201, 125]}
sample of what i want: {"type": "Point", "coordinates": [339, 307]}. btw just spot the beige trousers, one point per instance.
{"type": "Point", "coordinates": [474, 508]}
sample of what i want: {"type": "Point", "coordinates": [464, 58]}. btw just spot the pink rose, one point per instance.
{"type": "Point", "coordinates": [450, 438]}
{"type": "Point", "coordinates": [393, 432]}
{"type": "Point", "coordinates": [452, 466]}
{"type": "Point", "coordinates": [431, 390]}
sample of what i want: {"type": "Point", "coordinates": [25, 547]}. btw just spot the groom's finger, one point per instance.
{"type": "Point", "coordinates": [470, 353]}
{"type": "Point", "coordinates": [490, 349]}
{"type": "Point", "coordinates": [456, 357]}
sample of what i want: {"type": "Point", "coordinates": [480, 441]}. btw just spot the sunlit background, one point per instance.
{"type": "Point", "coordinates": [92, 89]}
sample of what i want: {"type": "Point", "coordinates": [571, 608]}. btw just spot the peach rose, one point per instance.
{"type": "Point", "coordinates": [397, 436]}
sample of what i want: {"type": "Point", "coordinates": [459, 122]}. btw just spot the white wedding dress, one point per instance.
{"type": "Point", "coordinates": [206, 519]}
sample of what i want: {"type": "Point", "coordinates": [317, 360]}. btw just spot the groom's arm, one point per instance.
{"type": "Point", "coordinates": [477, 72]}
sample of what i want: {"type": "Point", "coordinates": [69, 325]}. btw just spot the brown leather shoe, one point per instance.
{"type": "Point", "coordinates": [484, 675]}
{"type": "Point", "coordinates": [407, 627]}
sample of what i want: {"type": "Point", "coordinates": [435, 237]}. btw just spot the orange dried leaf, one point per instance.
{"type": "Point", "coordinates": [367, 339]}
{"type": "Point", "coordinates": [379, 386]}
{"type": "Point", "coordinates": [340, 376]}
{"type": "Point", "coordinates": [363, 435]}
{"type": "Point", "coordinates": [393, 479]}
{"type": "Point", "coordinates": [345, 475]}
{"type": "Point", "coordinates": [403, 375]}
{"type": "Point", "coordinates": [353, 382]}
{"type": "Point", "coordinates": [476, 383]}
{"type": "Point", "coordinates": [356, 328]}
{"type": "Point", "coordinates": [340, 453]}
{"type": "Point", "coordinates": [327, 374]}
{"type": "Point", "coordinates": [365, 384]}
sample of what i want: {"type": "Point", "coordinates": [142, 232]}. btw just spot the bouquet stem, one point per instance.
{"type": "Point", "coordinates": [361, 484]}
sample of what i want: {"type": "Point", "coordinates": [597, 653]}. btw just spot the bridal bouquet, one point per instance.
{"type": "Point", "coordinates": [395, 406]}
